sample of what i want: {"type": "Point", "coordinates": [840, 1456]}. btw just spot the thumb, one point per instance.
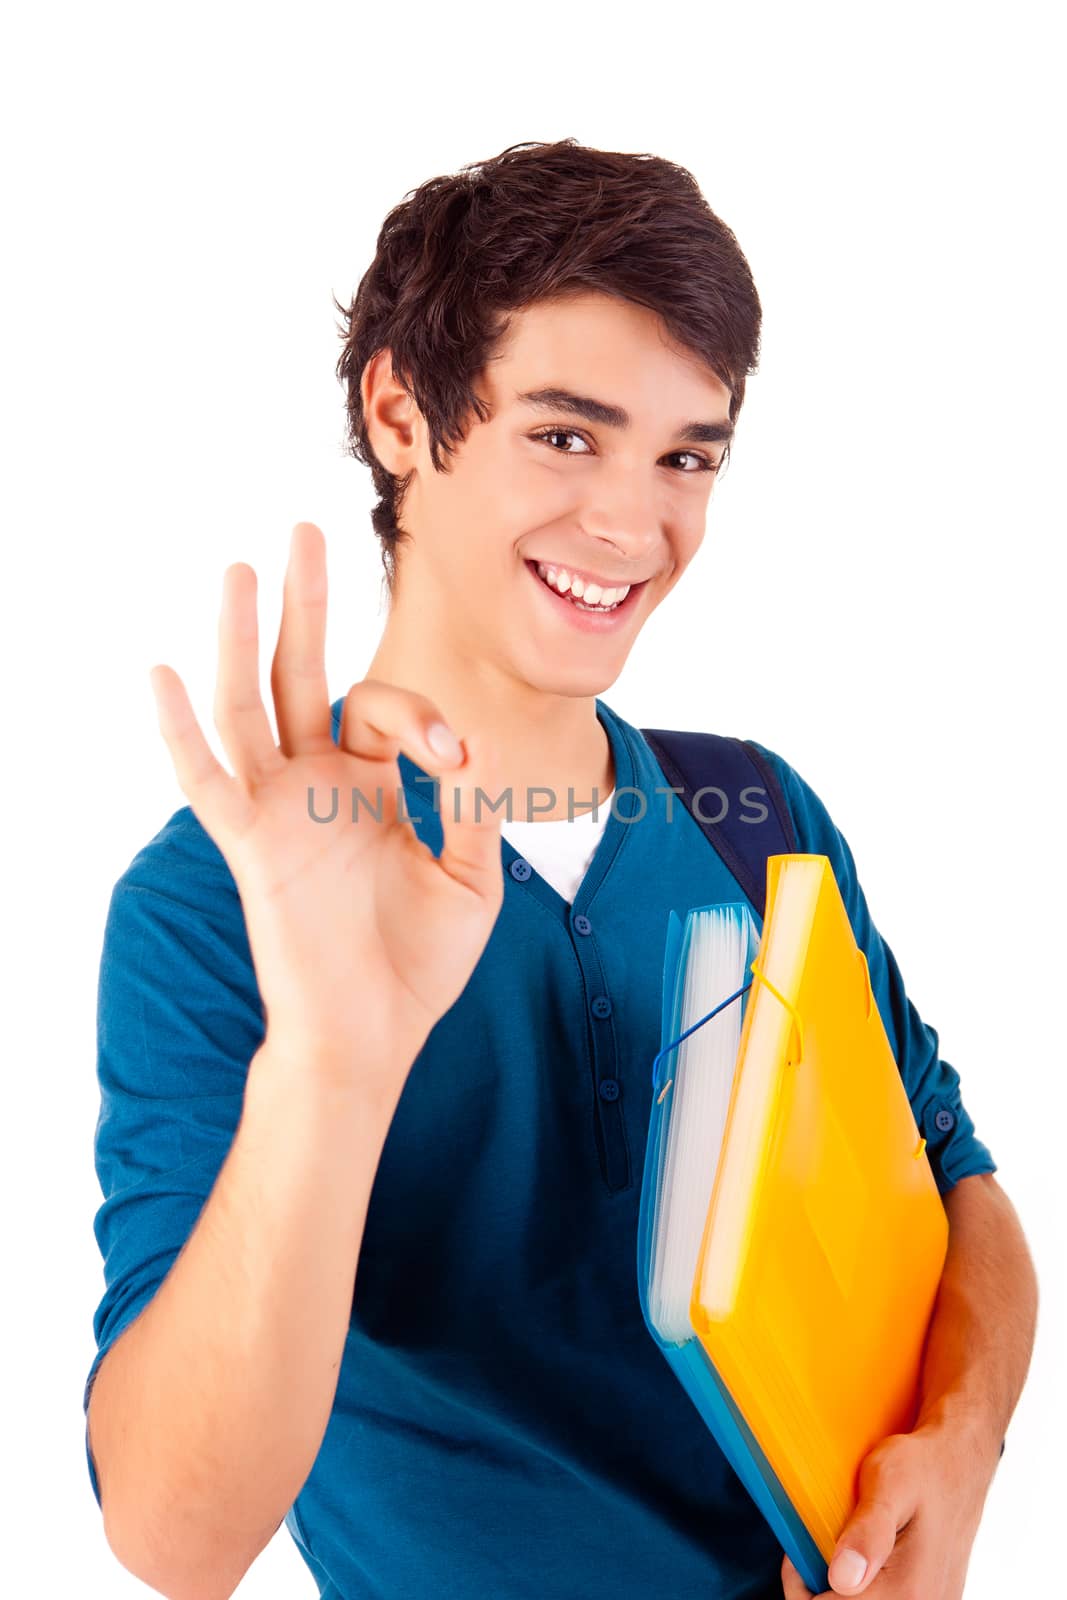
{"type": "Point", "coordinates": [850, 1568]}
{"type": "Point", "coordinates": [887, 1500]}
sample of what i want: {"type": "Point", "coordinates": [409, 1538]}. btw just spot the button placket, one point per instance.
{"type": "Point", "coordinates": [609, 1122]}
{"type": "Point", "coordinates": [612, 1142]}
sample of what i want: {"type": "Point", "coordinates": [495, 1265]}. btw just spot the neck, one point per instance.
{"type": "Point", "coordinates": [542, 740]}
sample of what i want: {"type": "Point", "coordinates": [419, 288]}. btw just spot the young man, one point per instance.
{"type": "Point", "coordinates": [422, 1047]}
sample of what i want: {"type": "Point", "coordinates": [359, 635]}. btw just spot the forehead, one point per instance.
{"type": "Point", "coordinates": [598, 344]}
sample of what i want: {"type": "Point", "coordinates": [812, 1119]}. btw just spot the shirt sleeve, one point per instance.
{"type": "Point", "coordinates": [933, 1085]}
{"type": "Point", "coordinates": [179, 1019]}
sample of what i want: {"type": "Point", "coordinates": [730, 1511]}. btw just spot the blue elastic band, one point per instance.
{"type": "Point", "coordinates": [696, 1025]}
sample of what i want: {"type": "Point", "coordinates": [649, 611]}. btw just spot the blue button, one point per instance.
{"type": "Point", "coordinates": [609, 1089]}
{"type": "Point", "coordinates": [520, 869]}
{"type": "Point", "coordinates": [582, 924]}
{"type": "Point", "coordinates": [944, 1121]}
{"type": "Point", "coordinates": [601, 1006]}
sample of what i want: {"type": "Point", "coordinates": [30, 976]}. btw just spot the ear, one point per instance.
{"type": "Point", "coordinates": [392, 419]}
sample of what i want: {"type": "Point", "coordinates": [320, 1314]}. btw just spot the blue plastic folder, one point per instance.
{"type": "Point", "coordinates": [687, 1357]}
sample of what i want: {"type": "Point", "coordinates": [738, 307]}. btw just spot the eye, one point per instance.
{"type": "Point", "coordinates": [558, 433]}
{"type": "Point", "coordinates": [705, 463]}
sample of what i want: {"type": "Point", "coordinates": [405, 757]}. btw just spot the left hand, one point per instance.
{"type": "Point", "coordinates": [920, 1502]}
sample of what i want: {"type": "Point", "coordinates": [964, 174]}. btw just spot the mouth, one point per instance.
{"type": "Point", "coordinates": [568, 595]}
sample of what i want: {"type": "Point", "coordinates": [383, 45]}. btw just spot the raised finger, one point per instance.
{"type": "Point", "coordinates": [239, 713]}
{"type": "Point", "coordinates": [218, 801]}
{"type": "Point", "coordinates": [298, 671]}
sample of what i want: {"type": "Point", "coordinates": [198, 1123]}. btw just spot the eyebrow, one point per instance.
{"type": "Point", "coordinates": [615, 417]}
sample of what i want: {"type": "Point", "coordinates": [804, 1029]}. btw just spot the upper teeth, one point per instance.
{"type": "Point", "coordinates": [590, 594]}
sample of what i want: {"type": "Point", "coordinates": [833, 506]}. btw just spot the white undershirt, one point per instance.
{"type": "Point", "coordinates": [560, 851]}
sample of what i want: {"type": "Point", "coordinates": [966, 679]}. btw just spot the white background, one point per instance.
{"type": "Point", "coordinates": [186, 186]}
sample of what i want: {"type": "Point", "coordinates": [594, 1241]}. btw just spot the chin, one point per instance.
{"type": "Point", "coordinates": [575, 682]}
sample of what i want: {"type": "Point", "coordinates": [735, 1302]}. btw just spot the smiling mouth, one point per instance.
{"type": "Point", "coordinates": [598, 599]}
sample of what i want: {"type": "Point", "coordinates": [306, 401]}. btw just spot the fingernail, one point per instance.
{"type": "Point", "coordinates": [848, 1568]}
{"type": "Point", "coordinates": [443, 742]}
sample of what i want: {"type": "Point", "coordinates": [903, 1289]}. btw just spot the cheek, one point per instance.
{"type": "Point", "coordinates": [510, 493]}
{"type": "Point", "coordinates": [686, 537]}
{"type": "Point", "coordinates": [474, 551]}
{"type": "Point", "coordinates": [534, 500]}
{"type": "Point", "coordinates": [689, 537]}
{"type": "Point", "coordinates": [696, 524]}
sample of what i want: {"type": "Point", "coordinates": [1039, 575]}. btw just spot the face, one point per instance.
{"type": "Point", "coordinates": [548, 511]}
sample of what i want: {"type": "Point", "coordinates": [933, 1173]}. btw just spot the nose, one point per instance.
{"type": "Point", "coordinates": [631, 529]}
{"type": "Point", "coordinates": [623, 507]}
{"type": "Point", "coordinates": [635, 549]}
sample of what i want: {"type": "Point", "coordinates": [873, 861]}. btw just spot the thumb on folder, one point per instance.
{"type": "Point", "coordinates": [913, 1526]}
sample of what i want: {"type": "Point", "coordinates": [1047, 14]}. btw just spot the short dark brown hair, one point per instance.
{"type": "Point", "coordinates": [534, 223]}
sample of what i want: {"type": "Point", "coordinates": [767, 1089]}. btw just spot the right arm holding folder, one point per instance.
{"type": "Point", "coordinates": [828, 1307]}
{"type": "Point", "coordinates": [981, 1334]}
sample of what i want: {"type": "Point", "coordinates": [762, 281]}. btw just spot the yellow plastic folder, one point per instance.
{"type": "Point", "coordinates": [825, 1235]}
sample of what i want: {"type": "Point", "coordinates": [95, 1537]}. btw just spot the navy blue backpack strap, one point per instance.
{"type": "Point", "coordinates": [695, 761]}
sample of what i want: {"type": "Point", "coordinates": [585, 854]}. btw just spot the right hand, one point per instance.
{"type": "Point", "coordinates": [360, 937]}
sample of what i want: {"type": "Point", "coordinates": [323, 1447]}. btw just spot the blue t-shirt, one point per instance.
{"type": "Point", "coordinates": [504, 1423]}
